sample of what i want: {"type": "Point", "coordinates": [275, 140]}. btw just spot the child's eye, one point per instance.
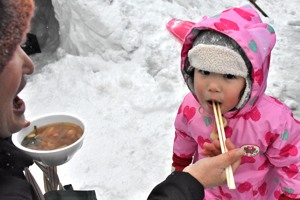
{"type": "Point", "coordinates": [229, 76]}
{"type": "Point", "coordinates": [203, 72]}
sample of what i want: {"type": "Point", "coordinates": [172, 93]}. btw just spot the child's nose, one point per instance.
{"type": "Point", "coordinates": [214, 86]}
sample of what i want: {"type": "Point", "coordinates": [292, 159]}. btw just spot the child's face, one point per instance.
{"type": "Point", "coordinates": [222, 88]}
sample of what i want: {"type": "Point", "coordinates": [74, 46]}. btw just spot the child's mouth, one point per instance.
{"type": "Point", "coordinates": [210, 102]}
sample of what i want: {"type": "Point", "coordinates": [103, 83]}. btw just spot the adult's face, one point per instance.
{"type": "Point", "coordinates": [12, 81]}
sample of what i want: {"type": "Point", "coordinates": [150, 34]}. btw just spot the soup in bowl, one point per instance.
{"type": "Point", "coordinates": [51, 139]}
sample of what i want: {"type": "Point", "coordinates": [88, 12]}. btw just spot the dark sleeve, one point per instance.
{"type": "Point", "coordinates": [13, 188]}
{"type": "Point", "coordinates": [178, 186]}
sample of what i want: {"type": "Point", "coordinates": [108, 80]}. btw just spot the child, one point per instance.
{"type": "Point", "coordinates": [226, 59]}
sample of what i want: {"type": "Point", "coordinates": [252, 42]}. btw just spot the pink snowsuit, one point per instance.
{"type": "Point", "coordinates": [264, 127]}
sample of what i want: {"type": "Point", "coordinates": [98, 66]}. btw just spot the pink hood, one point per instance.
{"type": "Point", "coordinates": [255, 37]}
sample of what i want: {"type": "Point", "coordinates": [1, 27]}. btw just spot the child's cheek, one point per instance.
{"type": "Point", "coordinates": [232, 99]}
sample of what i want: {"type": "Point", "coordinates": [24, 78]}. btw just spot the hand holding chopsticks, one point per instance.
{"type": "Point", "coordinates": [222, 138]}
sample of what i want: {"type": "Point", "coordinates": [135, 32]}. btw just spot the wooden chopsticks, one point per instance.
{"type": "Point", "coordinates": [222, 138]}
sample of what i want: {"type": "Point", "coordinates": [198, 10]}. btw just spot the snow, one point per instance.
{"type": "Point", "coordinates": [115, 65]}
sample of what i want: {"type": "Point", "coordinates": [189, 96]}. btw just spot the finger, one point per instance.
{"type": "Point", "coordinates": [211, 149]}
{"type": "Point", "coordinates": [239, 153]}
{"type": "Point", "coordinates": [230, 157]}
{"type": "Point", "coordinates": [235, 165]}
{"type": "Point", "coordinates": [229, 144]}
{"type": "Point", "coordinates": [217, 147]}
{"type": "Point", "coordinates": [27, 123]}
{"type": "Point", "coordinates": [205, 152]}
{"type": "Point", "coordinates": [217, 144]}
{"type": "Point", "coordinates": [214, 145]}
{"type": "Point", "coordinates": [209, 153]}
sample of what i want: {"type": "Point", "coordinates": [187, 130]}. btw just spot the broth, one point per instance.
{"type": "Point", "coordinates": [52, 136]}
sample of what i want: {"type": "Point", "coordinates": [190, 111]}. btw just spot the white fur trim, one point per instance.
{"type": "Point", "coordinates": [217, 59]}
{"type": "Point", "coordinates": [245, 97]}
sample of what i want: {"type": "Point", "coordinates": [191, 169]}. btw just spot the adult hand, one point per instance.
{"type": "Point", "coordinates": [210, 171]}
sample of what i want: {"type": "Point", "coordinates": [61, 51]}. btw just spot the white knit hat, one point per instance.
{"type": "Point", "coordinates": [222, 60]}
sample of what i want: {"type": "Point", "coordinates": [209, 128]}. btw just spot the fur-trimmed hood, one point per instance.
{"type": "Point", "coordinates": [257, 39]}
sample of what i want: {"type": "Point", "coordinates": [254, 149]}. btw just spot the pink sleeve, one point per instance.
{"type": "Point", "coordinates": [284, 154]}
{"type": "Point", "coordinates": [185, 145]}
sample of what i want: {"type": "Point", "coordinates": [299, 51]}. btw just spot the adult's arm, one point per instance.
{"type": "Point", "coordinates": [207, 172]}
{"type": "Point", "coordinates": [178, 186]}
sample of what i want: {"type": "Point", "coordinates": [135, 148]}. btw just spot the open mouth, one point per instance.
{"type": "Point", "coordinates": [210, 102]}
{"type": "Point", "coordinates": [19, 104]}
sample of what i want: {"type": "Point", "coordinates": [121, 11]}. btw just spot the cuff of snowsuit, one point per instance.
{"type": "Point", "coordinates": [180, 163]}
{"type": "Point", "coordinates": [284, 197]}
